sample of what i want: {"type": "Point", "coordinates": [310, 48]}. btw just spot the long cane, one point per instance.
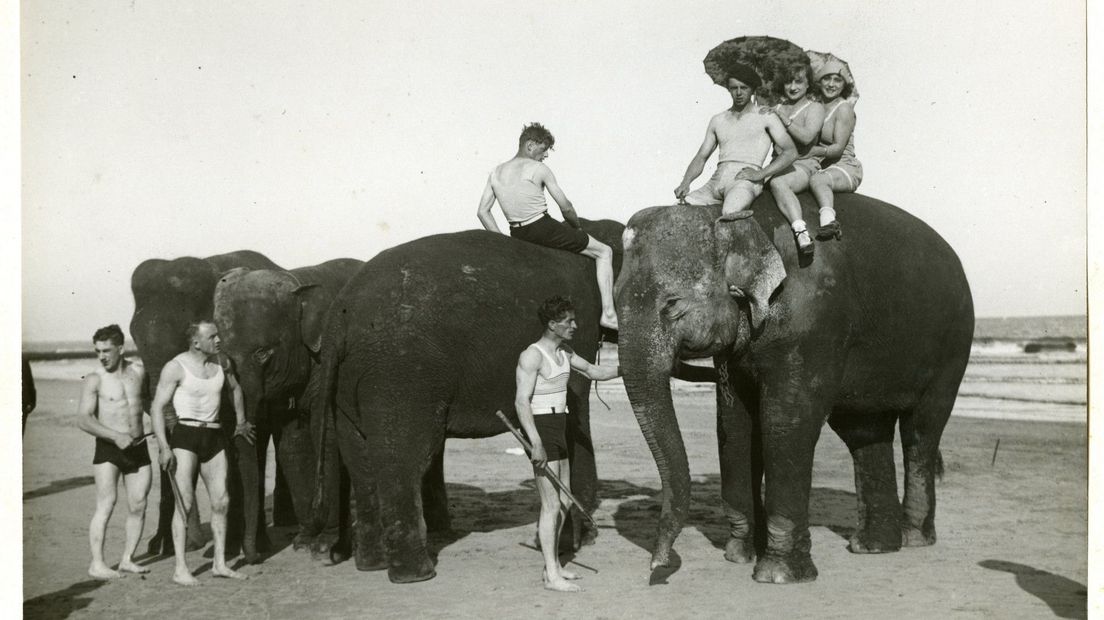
{"type": "Point", "coordinates": [547, 472]}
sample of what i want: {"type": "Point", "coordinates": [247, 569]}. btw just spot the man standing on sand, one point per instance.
{"type": "Point", "coordinates": [541, 403]}
{"type": "Point", "coordinates": [745, 137]}
{"type": "Point", "coordinates": [110, 409]}
{"type": "Point", "coordinates": [518, 185]}
{"type": "Point", "coordinates": [193, 381]}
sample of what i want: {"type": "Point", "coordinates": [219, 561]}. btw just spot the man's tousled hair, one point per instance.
{"type": "Point", "coordinates": [193, 328]}
{"type": "Point", "coordinates": [537, 133]}
{"type": "Point", "coordinates": [111, 333]}
{"type": "Point", "coordinates": [554, 309]}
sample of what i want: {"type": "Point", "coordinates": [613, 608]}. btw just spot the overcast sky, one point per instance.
{"type": "Point", "coordinates": [321, 130]}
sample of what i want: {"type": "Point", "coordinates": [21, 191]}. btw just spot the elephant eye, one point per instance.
{"type": "Point", "coordinates": [262, 354]}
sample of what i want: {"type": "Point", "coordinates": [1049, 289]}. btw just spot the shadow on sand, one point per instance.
{"type": "Point", "coordinates": [1065, 597]}
{"type": "Point", "coordinates": [63, 603]}
{"type": "Point", "coordinates": [57, 486]}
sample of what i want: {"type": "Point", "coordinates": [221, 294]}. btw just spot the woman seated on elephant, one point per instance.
{"type": "Point", "coordinates": [840, 170]}
{"type": "Point", "coordinates": [803, 119]}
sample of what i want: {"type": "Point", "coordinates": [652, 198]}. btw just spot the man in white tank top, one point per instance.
{"type": "Point", "coordinates": [518, 185]}
{"type": "Point", "coordinates": [745, 138]}
{"type": "Point", "coordinates": [193, 381]}
{"type": "Point", "coordinates": [541, 402]}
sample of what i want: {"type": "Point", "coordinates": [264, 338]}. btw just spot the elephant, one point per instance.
{"type": "Point", "coordinates": [168, 295]}
{"type": "Point", "coordinates": [422, 344]}
{"type": "Point", "coordinates": [875, 331]}
{"type": "Point", "coordinates": [270, 321]}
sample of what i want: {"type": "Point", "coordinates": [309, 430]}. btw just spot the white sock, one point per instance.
{"type": "Point", "coordinates": [827, 216]}
{"type": "Point", "coordinates": [798, 226]}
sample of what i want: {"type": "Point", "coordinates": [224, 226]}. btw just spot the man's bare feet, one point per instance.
{"type": "Point", "coordinates": [185, 578]}
{"type": "Point", "coordinates": [226, 573]}
{"type": "Point", "coordinates": [131, 567]}
{"type": "Point", "coordinates": [568, 575]}
{"type": "Point", "coordinates": [102, 572]}
{"type": "Point", "coordinates": [560, 584]}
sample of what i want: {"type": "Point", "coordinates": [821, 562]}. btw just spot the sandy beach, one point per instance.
{"type": "Point", "coordinates": [1012, 530]}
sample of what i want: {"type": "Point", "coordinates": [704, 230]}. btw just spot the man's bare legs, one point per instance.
{"type": "Point", "coordinates": [137, 488]}
{"type": "Point", "coordinates": [186, 464]}
{"type": "Point", "coordinates": [737, 198]}
{"type": "Point", "coordinates": [603, 261]}
{"type": "Point", "coordinates": [214, 473]}
{"type": "Point", "coordinates": [548, 529]}
{"type": "Point", "coordinates": [106, 476]}
{"type": "Point", "coordinates": [785, 190]}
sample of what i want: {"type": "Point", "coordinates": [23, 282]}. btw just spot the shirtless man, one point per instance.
{"type": "Point", "coordinates": [518, 185]}
{"type": "Point", "coordinates": [541, 403]}
{"type": "Point", "coordinates": [193, 381]}
{"type": "Point", "coordinates": [110, 409]}
{"type": "Point", "coordinates": [745, 138]}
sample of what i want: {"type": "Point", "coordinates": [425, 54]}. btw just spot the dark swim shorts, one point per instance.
{"type": "Point", "coordinates": [552, 428]}
{"type": "Point", "coordinates": [552, 234]}
{"type": "Point", "coordinates": [128, 461]}
{"type": "Point", "coordinates": [204, 442]}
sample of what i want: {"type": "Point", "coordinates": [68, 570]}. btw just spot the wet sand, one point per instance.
{"type": "Point", "coordinates": [1012, 534]}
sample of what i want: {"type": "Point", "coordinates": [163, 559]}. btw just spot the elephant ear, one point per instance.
{"type": "Point", "coordinates": [751, 263]}
{"type": "Point", "coordinates": [312, 309]}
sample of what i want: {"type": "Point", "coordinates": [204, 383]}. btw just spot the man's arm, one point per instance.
{"type": "Point", "coordinates": [526, 378]}
{"type": "Point", "coordinates": [171, 375]}
{"type": "Point", "coordinates": [697, 164]}
{"type": "Point", "coordinates": [593, 372]}
{"type": "Point", "coordinates": [484, 211]}
{"type": "Point", "coordinates": [544, 173]}
{"type": "Point", "coordinates": [244, 428]}
{"type": "Point", "coordinates": [86, 414]}
{"type": "Point", "coordinates": [842, 128]}
{"type": "Point", "coordinates": [783, 145]}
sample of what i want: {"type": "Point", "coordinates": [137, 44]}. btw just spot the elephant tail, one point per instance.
{"type": "Point", "coordinates": [939, 465]}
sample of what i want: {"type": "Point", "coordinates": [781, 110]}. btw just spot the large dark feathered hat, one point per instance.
{"type": "Point", "coordinates": [755, 61]}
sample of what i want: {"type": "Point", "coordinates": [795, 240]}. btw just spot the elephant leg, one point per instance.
{"type": "Point", "coordinates": [368, 547]}
{"type": "Point", "coordinates": [741, 465]}
{"type": "Point", "coordinates": [322, 542]}
{"type": "Point", "coordinates": [869, 437]}
{"type": "Point", "coordinates": [790, 428]}
{"type": "Point", "coordinates": [248, 486]}
{"type": "Point", "coordinates": [577, 531]}
{"type": "Point", "coordinates": [921, 430]}
{"type": "Point", "coordinates": [435, 495]}
{"type": "Point", "coordinates": [162, 543]}
{"type": "Point", "coordinates": [295, 460]}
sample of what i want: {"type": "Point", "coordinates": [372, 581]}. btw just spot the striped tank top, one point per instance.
{"type": "Point", "coordinates": [550, 395]}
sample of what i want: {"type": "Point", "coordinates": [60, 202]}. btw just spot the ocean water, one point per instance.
{"type": "Point", "coordinates": [1001, 381]}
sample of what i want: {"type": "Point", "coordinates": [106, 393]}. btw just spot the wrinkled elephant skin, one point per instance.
{"type": "Point", "coordinates": [874, 332]}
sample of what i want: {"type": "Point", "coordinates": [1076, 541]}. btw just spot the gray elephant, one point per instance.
{"type": "Point", "coordinates": [421, 345]}
{"type": "Point", "coordinates": [168, 295]}
{"type": "Point", "coordinates": [270, 321]}
{"type": "Point", "coordinates": [875, 331]}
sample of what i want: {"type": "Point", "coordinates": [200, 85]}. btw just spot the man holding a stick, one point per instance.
{"type": "Point", "coordinates": [110, 409]}
{"type": "Point", "coordinates": [541, 402]}
{"type": "Point", "coordinates": [193, 381]}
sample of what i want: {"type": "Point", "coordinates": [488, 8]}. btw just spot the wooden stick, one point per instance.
{"type": "Point", "coordinates": [556, 482]}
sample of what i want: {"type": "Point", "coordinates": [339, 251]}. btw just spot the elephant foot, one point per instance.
{"type": "Point", "coordinates": [661, 558]}
{"type": "Point", "coordinates": [161, 545]}
{"type": "Point", "coordinates": [589, 537]}
{"type": "Point", "coordinates": [740, 550]}
{"type": "Point", "coordinates": [320, 547]}
{"type": "Point", "coordinates": [790, 569]}
{"type": "Point", "coordinates": [194, 544]}
{"type": "Point", "coordinates": [876, 540]}
{"type": "Point", "coordinates": [370, 558]}
{"type": "Point", "coordinates": [412, 573]}
{"type": "Point", "coordinates": [302, 541]}
{"type": "Point", "coordinates": [914, 537]}
{"type": "Point", "coordinates": [250, 556]}
{"type": "Point", "coordinates": [339, 553]}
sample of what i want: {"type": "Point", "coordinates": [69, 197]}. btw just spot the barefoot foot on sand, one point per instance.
{"type": "Point", "coordinates": [102, 572]}
{"type": "Point", "coordinates": [185, 578]}
{"type": "Point", "coordinates": [561, 585]}
{"type": "Point", "coordinates": [131, 567]}
{"type": "Point", "coordinates": [568, 575]}
{"type": "Point", "coordinates": [226, 573]}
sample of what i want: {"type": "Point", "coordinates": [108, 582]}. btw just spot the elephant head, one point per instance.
{"type": "Point", "coordinates": [270, 325]}
{"type": "Point", "coordinates": [674, 301]}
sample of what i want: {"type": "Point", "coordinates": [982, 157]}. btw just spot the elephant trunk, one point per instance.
{"type": "Point", "coordinates": [646, 357]}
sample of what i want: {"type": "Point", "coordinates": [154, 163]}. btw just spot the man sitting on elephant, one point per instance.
{"type": "Point", "coordinates": [541, 403]}
{"type": "Point", "coordinates": [518, 185]}
{"type": "Point", "coordinates": [745, 138]}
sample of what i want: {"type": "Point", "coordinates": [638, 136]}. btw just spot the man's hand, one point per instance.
{"type": "Point", "coordinates": [123, 441]}
{"type": "Point", "coordinates": [246, 430]}
{"type": "Point", "coordinates": [539, 457]}
{"type": "Point", "coordinates": [681, 191]}
{"type": "Point", "coordinates": [167, 459]}
{"type": "Point", "coordinates": [749, 174]}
